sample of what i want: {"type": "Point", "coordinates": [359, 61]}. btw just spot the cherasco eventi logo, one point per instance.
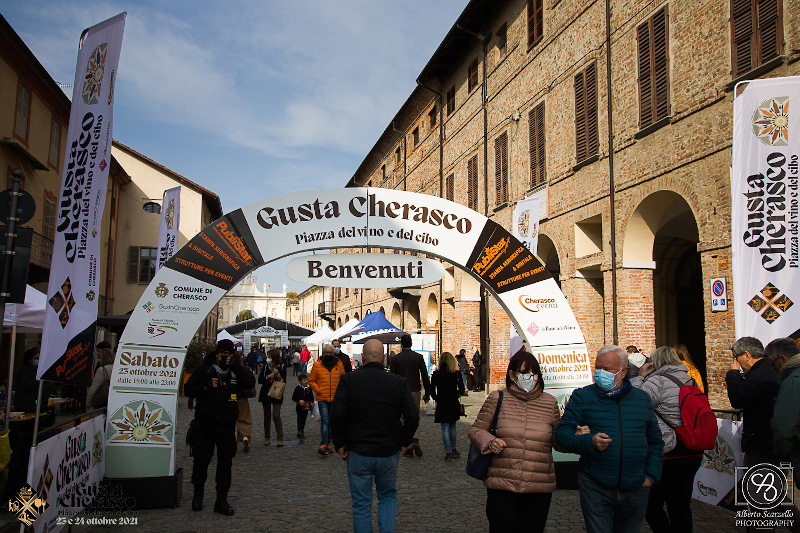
{"type": "Point", "coordinates": [27, 505]}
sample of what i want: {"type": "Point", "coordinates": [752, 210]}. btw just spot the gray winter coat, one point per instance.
{"type": "Point", "coordinates": [665, 395]}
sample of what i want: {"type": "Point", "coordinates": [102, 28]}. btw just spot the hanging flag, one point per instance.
{"type": "Point", "coordinates": [526, 223]}
{"type": "Point", "coordinates": [170, 220]}
{"type": "Point", "coordinates": [69, 324]}
{"type": "Point", "coordinates": [764, 214]}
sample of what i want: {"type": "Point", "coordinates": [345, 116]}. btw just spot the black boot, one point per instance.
{"type": "Point", "coordinates": [197, 499]}
{"type": "Point", "coordinates": [417, 449]}
{"type": "Point", "coordinates": [222, 506]}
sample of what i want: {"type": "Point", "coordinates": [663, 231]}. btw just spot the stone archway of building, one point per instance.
{"type": "Point", "coordinates": [346, 319]}
{"type": "Point", "coordinates": [662, 237]}
{"type": "Point", "coordinates": [413, 321]}
{"type": "Point", "coordinates": [356, 316]}
{"type": "Point", "coordinates": [339, 322]}
{"type": "Point", "coordinates": [396, 317]}
{"type": "Point", "coordinates": [432, 311]}
{"type": "Point", "coordinates": [383, 311]}
{"type": "Point", "coordinates": [548, 255]}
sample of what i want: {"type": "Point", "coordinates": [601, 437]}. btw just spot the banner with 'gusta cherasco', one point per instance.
{"type": "Point", "coordinates": [766, 147]}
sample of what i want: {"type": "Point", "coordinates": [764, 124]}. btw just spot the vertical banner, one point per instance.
{"type": "Point", "coordinates": [715, 480]}
{"type": "Point", "coordinates": [68, 332]}
{"type": "Point", "coordinates": [170, 222]}
{"type": "Point", "coordinates": [526, 223]}
{"type": "Point", "coordinates": [764, 216]}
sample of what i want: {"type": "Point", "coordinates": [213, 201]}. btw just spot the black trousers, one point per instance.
{"type": "Point", "coordinates": [517, 512]}
{"type": "Point", "coordinates": [223, 438]}
{"type": "Point", "coordinates": [674, 490]}
{"type": "Point", "coordinates": [302, 415]}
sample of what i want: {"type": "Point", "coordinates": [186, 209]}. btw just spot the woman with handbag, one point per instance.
{"type": "Point", "coordinates": [97, 396]}
{"type": "Point", "coordinates": [447, 387]}
{"type": "Point", "coordinates": [521, 477]}
{"type": "Point", "coordinates": [273, 382]}
{"type": "Point", "coordinates": [244, 424]}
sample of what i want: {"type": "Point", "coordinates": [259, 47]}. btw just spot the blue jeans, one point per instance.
{"type": "Point", "coordinates": [449, 436]}
{"type": "Point", "coordinates": [609, 509]}
{"type": "Point", "coordinates": [360, 472]}
{"type": "Point", "coordinates": [464, 379]}
{"type": "Point", "coordinates": [324, 426]}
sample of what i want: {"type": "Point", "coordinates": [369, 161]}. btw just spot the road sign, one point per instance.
{"type": "Point", "coordinates": [26, 206]}
{"type": "Point", "coordinates": [719, 294]}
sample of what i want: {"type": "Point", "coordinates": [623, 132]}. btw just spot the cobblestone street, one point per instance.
{"type": "Point", "coordinates": [294, 489]}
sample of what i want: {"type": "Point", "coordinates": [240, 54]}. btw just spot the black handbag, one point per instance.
{"type": "Point", "coordinates": [191, 436]}
{"type": "Point", "coordinates": [478, 463]}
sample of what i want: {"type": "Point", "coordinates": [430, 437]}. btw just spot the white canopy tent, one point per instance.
{"type": "Point", "coordinates": [321, 336]}
{"type": "Point", "coordinates": [27, 317]}
{"type": "Point", "coordinates": [225, 335]}
{"type": "Point", "coordinates": [348, 329]}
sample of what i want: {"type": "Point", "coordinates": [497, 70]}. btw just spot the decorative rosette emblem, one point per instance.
{"type": "Point", "coordinates": [771, 121]}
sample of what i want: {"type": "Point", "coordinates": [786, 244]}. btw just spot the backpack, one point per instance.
{"type": "Point", "coordinates": [699, 429]}
{"type": "Point", "coordinates": [100, 398]}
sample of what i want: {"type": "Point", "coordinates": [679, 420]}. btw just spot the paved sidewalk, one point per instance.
{"type": "Point", "coordinates": [294, 489]}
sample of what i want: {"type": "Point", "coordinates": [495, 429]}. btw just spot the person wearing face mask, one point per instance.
{"type": "Point", "coordinates": [522, 475]}
{"type": "Point", "coordinates": [216, 386]}
{"type": "Point", "coordinates": [27, 386]}
{"type": "Point", "coordinates": [621, 453]}
{"type": "Point", "coordinates": [343, 357]}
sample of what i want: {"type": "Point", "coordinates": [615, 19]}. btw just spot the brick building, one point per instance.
{"type": "Point", "coordinates": [515, 104]}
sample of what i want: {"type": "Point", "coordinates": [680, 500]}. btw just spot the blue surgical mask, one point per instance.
{"type": "Point", "coordinates": [605, 379]}
{"type": "Point", "coordinates": [337, 351]}
{"type": "Point", "coordinates": [35, 363]}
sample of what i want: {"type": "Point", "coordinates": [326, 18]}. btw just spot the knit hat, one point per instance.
{"type": "Point", "coordinates": [636, 359]}
{"type": "Point", "coordinates": [226, 345]}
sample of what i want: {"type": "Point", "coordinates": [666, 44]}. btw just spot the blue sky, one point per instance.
{"type": "Point", "coordinates": [254, 98]}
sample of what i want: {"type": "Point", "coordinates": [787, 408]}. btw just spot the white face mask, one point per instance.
{"type": "Point", "coordinates": [527, 381]}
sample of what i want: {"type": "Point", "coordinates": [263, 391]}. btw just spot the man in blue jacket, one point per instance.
{"type": "Point", "coordinates": [622, 451]}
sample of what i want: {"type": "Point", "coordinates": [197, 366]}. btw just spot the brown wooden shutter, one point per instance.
{"type": "Point", "coordinates": [535, 20]}
{"type": "Point", "coordinates": [472, 183]}
{"type": "Point", "coordinates": [473, 75]}
{"type": "Point", "coordinates": [133, 264]}
{"type": "Point", "coordinates": [48, 224]}
{"type": "Point", "coordinates": [769, 31]}
{"type": "Point", "coordinates": [451, 101]}
{"type": "Point", "coordinates": [536, 144]}
{"type": "Point", "coordinates": [450, 187]}
{"type": "Point", "coordinates": [661, 64]}
{"type": "Point", "coordinates": [580, 117]}
{"type": "Point", "coordinates": [743, 36]}
{"type": "Point", "coordinates": [592, 135]}
{"type": "Point", "coordinates": [645, 76]}
{"type": "Point", "coordinates": [501, 168]}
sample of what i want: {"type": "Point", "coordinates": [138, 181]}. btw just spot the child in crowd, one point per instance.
{"type": "Point", "coordinates": [304, 398]}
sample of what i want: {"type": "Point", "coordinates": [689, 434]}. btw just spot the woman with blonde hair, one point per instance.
{"type": "Point", "coordinates": [683, 355]}
{"type": "Point", "coordinates": [662, 379]}
{"type": "Point", "coordinates": [447, 387]}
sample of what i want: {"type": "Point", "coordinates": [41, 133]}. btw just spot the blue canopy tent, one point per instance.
{"type": "Point", "coordinates": [375, 326]}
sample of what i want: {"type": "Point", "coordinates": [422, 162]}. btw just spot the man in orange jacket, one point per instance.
{"type": "Point", "coordinates": [324, 379]}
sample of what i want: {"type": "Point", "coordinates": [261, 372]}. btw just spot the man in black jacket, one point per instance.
{"type": "Point", "coordinates": [367, 433]}
{"type": "Point", "coordinates": [752, 387]}
{"type": "Point", "coordinates": [216, 386]}
{"type": "Point", "coordinates": [343, 357]}
{"type": "Point", "coordinates": [411, 365]}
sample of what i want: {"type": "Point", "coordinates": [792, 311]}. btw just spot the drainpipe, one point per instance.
{"type": "Point", "coordinates": [441, 189]}
{"type": "Point", "coordinates": [615, 334]}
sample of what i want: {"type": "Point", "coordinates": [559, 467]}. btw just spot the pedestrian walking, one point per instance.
{"type": "Point", "coordinates": [324, 379]}
{"type": "Point", "coordinates": [252, 361]}
{"type": "Point", "coordinates": [463, 367]}
{"type": "Point", "coordinates": [522, 475]}
{"type": "Point", "coordinates": [411, 365]}
{"type": "Point", "coordinates": [662, 379]}
{"type": "Point", "coordinates": [369, 434]}
{"type": "Point", "coordinates": [305, 355]}
{"type": "Point", "coordinates": [478, 364]}
{"type": "Point", "coordinates": [446, 387]}
{"type": "Point", "coordinates": [343, 357]}
{"type": "Point", "coordinates": [274, 371]}
{"type": "Point", "coordinates": [216, 386]}
{"type": "Point", "coordinates": [97, 396]}
{"type": "Point", "coordinates": [686, 358]}
{"type": "Point", "coordinates": [295, 362]}
{"type": "Point", "coordinates": [244, 421]}
{"type": "Point", "coordinates": [303, 396]}
{"type": "Point", "coordinates": [622, 452]}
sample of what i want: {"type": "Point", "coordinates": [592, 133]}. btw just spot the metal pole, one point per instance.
{"type": "Point", "coordinates": [614, 330]}
{"type": "Point", "coordinates": [8, 392]}
{"type": "Point", "coordinates": [9, 254]}
{"type": "Point", "coordinates": [38, 409]}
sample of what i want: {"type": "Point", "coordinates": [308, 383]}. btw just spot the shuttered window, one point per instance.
{"type": "Point", "coordinates": [432, 118]}
{"type": "Point", "coordinates": [55, 144]}
{"type": "Point", "coordinates": [23, 112]}
{"type": "Point", "coordinates": [472, 183]}
{"type": "Point", "coordinates": [587, 141]}
{"type": "Point", "coordinates": [653, 45]}
{"type": "Point", "coordinates": [472, 75]}
{"type": "Point", "coordinates": [397, 155]}
{"type": "Point", "coordinates": [48, 224]}
{"type": "Point", "coordinates": [535, 21]}
{"type": "Point", "coordinates": [450, 187]}
{"type": "Point", "coordinates": [756, 33]}
{"type": "Point", "coordinates": [451, 100]}
{"type": "Point", "coordinates": [501, 168]}
{"type": "Point", "coordinates": [536, 137]}
{"type": "Point", "coordinates": [415, 135]}
{"type": "Point", "coordinates": [141, 264]}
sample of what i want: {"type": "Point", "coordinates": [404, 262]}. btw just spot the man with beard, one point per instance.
{"type": "Point", "coordinates": [325, 376]}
